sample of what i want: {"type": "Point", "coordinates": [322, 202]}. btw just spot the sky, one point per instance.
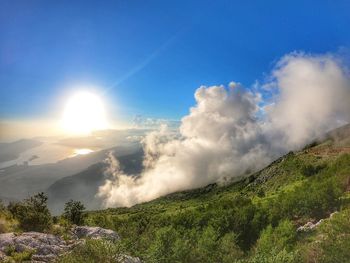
{"type": "Point", "coordinates": [149, 57]}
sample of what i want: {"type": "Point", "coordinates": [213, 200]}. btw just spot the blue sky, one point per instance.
{"type": "Point", "coordinates": [148, 57]}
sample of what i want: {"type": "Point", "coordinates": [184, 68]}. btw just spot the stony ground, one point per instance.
{"type": "Point", "coordinates": [48, 247]}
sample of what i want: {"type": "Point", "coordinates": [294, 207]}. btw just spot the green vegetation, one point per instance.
{"type": "Point", "coordinates": [7, 222]}
{"type": "Point", "coordinates": [74, 212]}
{"type": "Point", "coordinates": [32, 214]}
{"type": "Point", "coordinates": [14, 256]}
{"type": "Point", "coordinates": [94, 251]}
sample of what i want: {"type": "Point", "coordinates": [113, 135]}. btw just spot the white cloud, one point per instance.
{"type": "Point", "coordinates": [314, 97]}
{"type": "Point", "coordinates": [222, 137]}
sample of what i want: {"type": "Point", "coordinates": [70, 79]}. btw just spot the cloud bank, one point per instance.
{"type": "Point", "coordinates": [233, 131]}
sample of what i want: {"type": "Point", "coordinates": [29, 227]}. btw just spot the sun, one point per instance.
{"type": "Point", "coordinates": [84, 112]}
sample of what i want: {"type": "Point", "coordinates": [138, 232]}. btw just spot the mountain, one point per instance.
{"type": "Point", "coordinates": [83, 186]}
{"type": "Point", "coordinates": [297, 209]}
{"type": "Point", "coordinates": [11, 151]}
{"type": "Point", "coordinates": [20, 181]}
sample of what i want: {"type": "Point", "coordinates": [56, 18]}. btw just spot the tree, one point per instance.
{"type": "Point", "coordinates": [74, 212]}
{"type": "Point", "coordinates": [32, 213]}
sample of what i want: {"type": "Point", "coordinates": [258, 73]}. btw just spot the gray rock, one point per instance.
{"type": "Point", "coordinates": [334, 213]}
{"type": "Point", "coordinates": [307, 227]}
{"type": "Point", "coordinates": [95, 233]}
{"type": "Point", "coordinates": [46, 247]}
{"type": "Point", "coordinates": [6, 240]}
{"type": "Point", "coordinates": [44, 258]}
{"type": "Point", "coordinates": [128, 259]}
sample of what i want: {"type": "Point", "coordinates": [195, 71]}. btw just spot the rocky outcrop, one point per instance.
{"type": "Point", "coordinates": [129, 259]}
{"type": "Point", "coordinates": [94, 233]}
{"type": "Point", "coordinates": [47, 247]}
{"type": "Point", "coordinates": [309, 226]}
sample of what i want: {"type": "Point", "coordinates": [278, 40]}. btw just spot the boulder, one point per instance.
{"type": "Point", "coordinates": [94, 233]}
{"type": "Point", "coordinates": [129, 259]}
{"type": "Point", "coordinates": [46, 247]}
{"type": "Point", "coordinates": [6, 240]}
{"type": "Point", "coordinates": [309, 226]}
{"type": "Point", "coordinates": [43, 258]}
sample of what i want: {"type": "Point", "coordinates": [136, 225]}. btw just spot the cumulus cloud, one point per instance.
{"type": "Point", "coordinates": [228, 134]}
{"type": "Point", "coordinates": [313, 96]}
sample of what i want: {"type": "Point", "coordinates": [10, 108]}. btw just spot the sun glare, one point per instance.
{"type": "Point", "coordinates": [84, 113]}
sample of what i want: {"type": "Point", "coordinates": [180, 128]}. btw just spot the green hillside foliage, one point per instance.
{"type": "Point", "coordinates": [253, 220]}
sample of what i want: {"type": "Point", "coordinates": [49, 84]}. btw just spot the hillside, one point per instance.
{"type": "Point", "coordinates": [11, 151]}
{"type": "Point", "coordinates": [20, 181]}
{"type": "Point", "coordinates": [253, 220]}
{"type": "Point", "coordinates": [83, 186]}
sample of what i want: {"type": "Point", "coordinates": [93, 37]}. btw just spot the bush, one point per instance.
{"type": "Point", "coordinates": [74, 212]}
{"type": "Point", "coordinates": [281, 237]}
{"type": "Point", "coordinates": [208, 245]}
{"type": "Point", "coordinates": [24, 256]}
{"type": "Point", "coordinates": [162, 249]}
{"type": "Point", "coordinates": [316, 198]}
{"type": "Point", "coordinates": [229, 250]}
{"type": "Point", "coordinates": [95, 251]}
{"type": "Point", "coordinates": [276, 256]}
{"type": "Point", "coordinates": [277, 245]}
{"type": "Point", "coordinates": [309, 170]}
{"type": "Point", "coordinates": [32, 213]}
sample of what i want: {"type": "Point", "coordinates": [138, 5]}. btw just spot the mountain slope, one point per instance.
{"type": "Point", "coordinates": [253, 220]}
{"type": "Point", "coordinates": [20, 181]}
{"type": "Point", "coordinates": [83, 186]}
{"type": "Point", "coordinates": [11, 151]}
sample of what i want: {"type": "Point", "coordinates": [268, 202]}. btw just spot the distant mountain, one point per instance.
{"type": "Point", "coordinates": [11, 151]}
{"type": "Point", "coordinates": [20, 181]}
{"type": "Point", "coordinates": [83, 186]}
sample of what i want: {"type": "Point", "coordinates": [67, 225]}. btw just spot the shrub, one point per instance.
{"type": "Point", "coordinates": [229, 250]}
{"type": "Point", "coordinates": [23, 256]}
{"type": "Point", "coordinates": [162, 249]}
{"type": "Point", "coordinates": [276, 256]}
{"type": "Point", "coordinates": [309, 170]}
{"type": "Point", "coordinates": [281, 237]}
{"type": "Point", "coordinates": [74, 212]}
{"type": "Point", "coordinates": [315, 198]}
{"type": "Point", "coordinates": [208, 245]}
{"type": "Point", "coordinates": [32, 213]}
{"type": "Point", "coordinates": [95, 251]}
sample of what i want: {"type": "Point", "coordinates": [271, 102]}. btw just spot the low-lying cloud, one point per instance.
{"type": "Point", "coordinates": [232, 131]}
